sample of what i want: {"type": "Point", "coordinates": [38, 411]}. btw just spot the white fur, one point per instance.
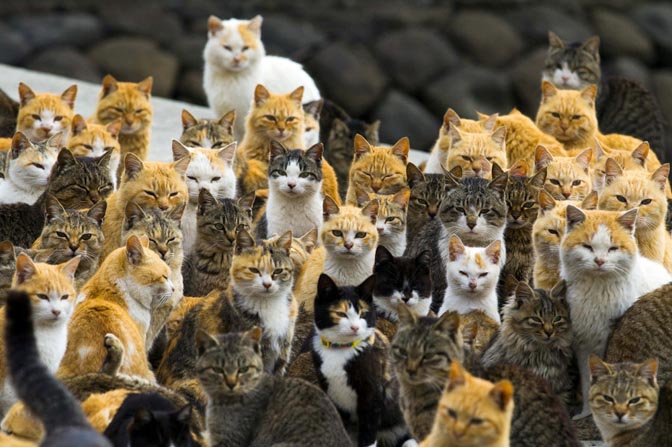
{"type": "Point", "coordinates": [436, 158]}
{"type": "Point", "coordinates": [311, 137]}
{"type": "Point", "coordinates": [25, 184]}
{"type": "Point", "coordinates": [230, 86]}
{"type": "Point", "coordinates": [391, 237]}
{"type": "Point", "coordinates": [349, 269]}
{"type": "Point", "coordinates": [481, 232]}
{"type": "Point", "coordinates": [140, 299]}
{"type": "Point", "coordinates": [46, 122]}
{"type": "Point", "coordinates": [387, 306]}
{"type": "Point", "coordinates": [564, 77]}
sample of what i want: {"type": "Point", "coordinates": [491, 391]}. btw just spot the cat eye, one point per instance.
{"type": "Point", "coordinates": [459, 209]}
{"type": "Point", "coordinates": [65, 297]}
{"type": "Point", "coordinates": [483, 275]}
{"type": "Point", "coordinates": [305, 175]}
{"type": "Point", "coordinates": [558, 66]}
{"type": "Point", "coordinates": [608, 398]}
{"type": "Point", "coordinates": [277, 271]}
{"type": "Point", "coordinates": [38, 166]}
{"type": "Point", "coordinates": [289, 119]}
{"type": "Point", "coordinates": [588, 247]}
{"type": "Point", "coordinates": [621, 199]}
{"type": "Point", "coordinates": [138, 111]}
{"type": "Point", "coordinates": [241, 227]}
{"type": "Point", "coordinates": [337, 233]}
{"type": "Point", "coordinates": [194, 143]}
{"type": "Point", "coordinates": [421, 201]}
{"type": "Point", "coordinates": [476, 421]}
{"type": "Point", "coordinates": [485, 211]}
{"type": "Point", "coordinates": [577, 182]}
{"type": "Point", "coordinates": [534, 321]}
{"type": "Point", "coordinates": [217, 145]}
{"type": "Point", "coordinates": [152, 241]}
{"type": "Point", "coordinates": [576, 117]}
{"type": "Point", "coordinates": [227, 47]}
{"type": "Point", "coordinates": [401, 352]}
{"type": "Point", "coordinates": [488, 158]}
{"type": "Point", "coordinates": [528, 205]}
{"type": "Point", "coordinates": [555, 114]}
{"type": "Point", "coordinates": [390, 219]}
{"type": "Point", "coordinates": [170, 240]}
{"type": "Point", "coordinates": [85, 236]}
{"type": "Point", "coordinates": [554, 232]}
{"type": "Point", "coordinates": [278, 173]}
{"type": "Point", "coordinates": [173, 194]}
{"type": "Point", "coordinates": [634, 400]}
{"type": "Point", "coordinates": [558, 320]}
{"type": "Point", "coordinates": [245, 48]}
{"type": "Point", "coordinates": [58, 118]}
{"type": "Point", "coordinates": [467, 158]}
{"type": "Point", "coordinates": [88, 147]}
{"type": "Point", "coordinates": [151, 194]}
{"type": "Point", "coordinates": [612, 249]}
{"type": "Point", "coordinates": [108, 148]}
{"type": "Point", "coordinates": [244, 369]}
{"type": "Point", "coordinates": [645, 202]}
{"type": "Point", "coordinates": [270, 117]}
{"type": "Point", "coordinates": [254, 270]}
{"type": "Point", "coordinates": [42, 296]}
{"type": "Point", "coordinates": [164, 277]}
{"type": "Point", "coordinates": [118, 110]}
{"type": "Point", "coordinates": [452, 413]}
{"type": "Point", "coordinates": [464, 273]}
{"type": "Point", "coordinates": [360, 235]}
{"type": "Point", "coordinates": [553, 181]}
{"type": "Point", "coordinates": [215, 179]}
{"type": "Point", "coordinates": [61, 234]}
{"type": "Point", "coordinates": [36, 117]}
{"type": "Point", "coordinates": [191, 177]}
{"type": "Point", "coordinates": [106, 188]}
{"type": "Point", "coordinates": [219, 226]}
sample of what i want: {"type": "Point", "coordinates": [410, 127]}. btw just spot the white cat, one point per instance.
{"type": "Point", "coordinates": [471, 277]}
{"type": "Point", "coordinates": [236, 61]}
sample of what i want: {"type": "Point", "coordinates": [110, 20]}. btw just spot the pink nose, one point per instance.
{"type": "Point", "coordinates": [599, 261]}
{"type": "Point", "coordinates": [56, 312]}
{"type": "Point", "coordinates": [380, 230]}
{"type": "Point", "coordinates": [354, 328]}
{"type": "Point", "coordinates": [472, 285]}
{"type": "Point", "coordinates": [267, 284]}
{"type": "Point", "coordinates": [291, 185]}
{"type": "Point", "coordinates": [348, 245]}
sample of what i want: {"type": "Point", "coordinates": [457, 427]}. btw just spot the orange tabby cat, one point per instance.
{"type": "Point", "coordinates": [467, 150]}
{"type": "Point", "coordinates": [567, 178]}
{"type": "Point", "coordinates": [43, 115]}
{"type": "Point", "coordinates": [93, 140]}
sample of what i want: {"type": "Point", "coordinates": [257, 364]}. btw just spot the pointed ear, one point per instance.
{"type": "Point", "coordinates": [597, 148]}
{"type": "Point", "coordinates": [598, 368]}
{"type": "Point", "coordinates": [25, 94]}
{"type": "Point", "coordinates": [455, 247]}
{"type": "Point", "coordinates": [244, 240]}
{"type": "Point", "coordinates": [641, 153]}
{"type": "Point", "coordinates": [78, 124]}
{"type": "Point", "coordinates": [180, 166]}
{"type": "Point", "coordinates": [451, 117]}
{"type": "Point", "coordinates": [227, 121]}
{"type": "Point", "coordinates": [401, 148]}
{"type": "Point", "coordinates": [518, 169]}
{"type": "Point", "coordinates": [589, 93]}
{"type": "Point", "coordinates": [413, 175]}
{"type": "Point", "coordinates": [542, 158]}
{"type": "Point", "coordinates": [382, 255]}
{"type": "Point", "coordinates": [206, 201]}
{"type": "Point", "coordinates": [180, 151]}
{"type": "Point", "coordinates": [315, 152]}
{"type": "Point", "coordinates": [406, 315]}
{"type": "Point", "coordinates": [628, 219]}
{"type": "Point", "coordinates": [70, 268]}
{"type": "Point", "coordinates": [183, 416]}
{"type": "Point", "coordinates": [370, 210]}
{"type": "Point", "coordinates": [612, 171]}
{"type": "Point", "coordinates": [135, 250]}
{"type": "Point", "coordinates": [499, 136]}
{"type": "Point", "coordinates": [132, 166]}
{"type": "Point", "coordinates": [254, 334]}
{"type": "Point", "coordinates": [114, 128]}
{"type": "Point", "coordinates": [401, 198]}
{"type": "Point", "coordinates": [7, 252]}
{"type": "Point", "coordinates": [546, 201]}
{"type": "Point", "coordinates": [458, 376]}
{"type": "Point", "coordinates": [592, 45]}
{"type": "Point", "coordinates": [314, 108]}
{"type": "Point", "coordinates": [110, 85]}
{"type": "Point", "coordinates": [247, 201]}
{"type": "Point", "coordinates": [452, 177]}
{"type": "Point", "coordinates": [548, 90]}
{"type": "Point", "coordinates": [538, 179]}
{"type": "Point", "coordinates": [510, 285]}
{"type": "Point", "coordinates": [204, 341]}
{"type": "Point", "coordinates": [329, 208]}
{"type": "Point", "coordinates": [660, 176]}
{"type": "Point", "coordinates": [145, 86]}
{"type": "Point", "coordinates": [309, 240]}
{"type": "Point", "coordinates": [574, 216]}
{"type": "Point", "coordinates": [133, 213]}
{"type": "Point", "coordinates": [325, 287]}
{"type": "Point", "coordinates": [228, 152]}
{"type": "Point", "coordinates": [362, 147]}
{"type": "Point", "coordinates": [455, 135]}
{"type": "Point", "coordinates": [498, 184]}
{"type": "Point", "coordinates": [494, 251]}
{"type": "Point", "coordinates": [54, 209]}
{"type": "Point", "coordinates": [297, 96]}
{"type": "Point", "coordinates": [261, 95]}
{"type": "Point", "coordinates": [496, 170]}
{"type": "Point", "coordinates": [648, 370]}
{"type": "Point", "coordinates": [365, 289]}
{"type": "Point", "coordinates": [559, 290]}
{"type": "Point", "coordinates": [188, 120]}
{"type": "Point", "coordinates": [583, 159]}
{"type": "Point", "coordinates": [362, 197]}
{"type": "Point", "coordinates": [555, 41]}
{"type": "Point", "coordinates": [25, 269]}
{"type": "Point", "coordinates": [20, 143]}
{"type": "Point", "coordinates": [502, 394]}
{"type": "Point", "coordinates": [488, 123]}
{"type": "Point", "coordinates": [277, 149]}
{"type": "Point", "coordinates": [97, 212]}
{"type": "Point", "coordinates": [214, 25]}
{"type": "Point", "coordinates": [524, 292]}
{"type": "Point", "coordinates": [69, 96]}
{"type": "Point", "coordinates": [590, 202]}
{"type": "Point", "coordinates": [254, 25]}
{"type": "Point", "coordinates": [424, 259]}
{"type": "Point", "coordinates": [449, 323]}
{"type": "Point", "coordinates": [285, 241]}
{"type": "Point", "coordinates": [65, 159]}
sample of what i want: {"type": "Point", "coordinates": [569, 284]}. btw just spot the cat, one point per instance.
{"type": "Point", "coordinates": [9, 109]}
{"type": "Point", "coordinates": [208, 169]}
{"type": "Point", "coordinates": [628, 161]}
{"type": "Point", "coordinates": [623, 105]}
{"type": "Point", "coordinates": [536, 334]}
{"type": "Point", "coordinates": [468, 150]}
{"type": "Point", "coordinates": [51, 297]}
{"type": "Point", "coordinates": [236, 61]}
{"type": "Point", "coordinates": [43, 115]}
{"type": "Point", "coordinates": [471, 412]}
{"type": "Point", "coordinates": [75, 182]}
{"type": "Point", "coordinates": [472, 274]}
{"type": "Point", "coordinates": [129, 102]}
{"type": "Point", "coordinates": [207, 133]}
{"type": "Point", "coordinates": [36, 386]}
{"type": "Point", "coordinates": [7, 264]}
{"type": "Point", "coordinates": [391, 219]}
{"type": "Point", "coordinates": [350, 359]}
{"type": "Point", "coordinates": [117, 300]}
{"type": "Point", "coordinates": [218, 221]}
{"type": "Point", "coordinates": [311, 119]}
{"type": "Point", "coordinates": [93, 140]}
{"type": "Point", "coordinates": [628, 405]}
{"type": "Point", "coordinates": [249, 407]}
{"type": "Point", "coordinates": [27, 169]}
{"type": "Point", "coordinates": [599, 259]}
{"type": "Point", "coordinates": [567, 178]}
{"type": "Point", "coordinates": [300, 250]}
{"type": "Point", "coordinates": [377, 169]}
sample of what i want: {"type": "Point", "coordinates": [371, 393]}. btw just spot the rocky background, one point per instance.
{"type": "Point", "coordinates": [403, 62]}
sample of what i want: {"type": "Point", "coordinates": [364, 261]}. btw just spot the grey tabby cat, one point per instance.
{"type": "Point", "coordinates": [250, 408]}
{"type": "Point", "coordinates": [207, 133]}
{"type": "Point", "coordinates": [536, 334]}
{"type": "Point", "coordinates": [623, 105]}
{"type": "Point", "coordinates": [218, 222]}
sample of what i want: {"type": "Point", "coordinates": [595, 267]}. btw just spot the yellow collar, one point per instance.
{"type": "Point", "coordinates": [333, 345]}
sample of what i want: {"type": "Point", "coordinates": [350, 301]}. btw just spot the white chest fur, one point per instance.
{"type": "Point", "coordinates": [299, 215]}
{"type": "Point", "coordinates": [333, 370]}
{"type": "Point", "coordinates": [138, 300]}
{"type": "Point", "coordinates": [189, 228]}
{"type": "Point", "coordinates": [274, 315]}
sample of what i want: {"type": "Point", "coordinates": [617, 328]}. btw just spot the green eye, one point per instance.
{"type": "Point", "coordinates": [219, 226]}
{"type": "Point", "coordinates": [634, 400]}
{"type": "Point", "coordinates": [244, 369]}
{"type": "Point", "coordinates": [277, 271]}
{"type": "Point", "coordinates": [42, 296]}
{"type": "Point", "coordinates": [61, 234]}
{"type": "Point", "coordinates": [305, 174]}
{"type": "Point", "coordinates": [401, 352]}
{"type": "Point", "coordinates": [608, 398]}
{"type": "Point", "coordinates": [390, 219]}
{"type": "Point", "coordinates": [337, 233]}
{"type": "Point", "coordinates": [254, 270]}
{"type": "Point", "coordinates": [528, 205]}
{"type": "Point", "coordinates": [86, 236]}
{"type": "Point", "coordinates": [360, 235]}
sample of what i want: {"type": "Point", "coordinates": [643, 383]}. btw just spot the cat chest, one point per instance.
{"type": "Point", "coordinates": [51, 344]}
{"type": "Point", "coordinates": [274, 320]}
{"type": "Point", "coordinates": [297, 215]}
{"type": "Point", "coordinates": [339, 389]}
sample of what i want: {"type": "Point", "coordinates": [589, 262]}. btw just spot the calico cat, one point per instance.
{"type": "Point", "coordinates": [471, 412]}
{"type": "Point", "coordinates": [250, 407]}
{"type": "Point", "coordinates": [93, 140]}
{"type": "Point", "coordinates": [351, 362]}
{"type": "Point", "coordinates": [236, 61]}
{"type": "Point", "coordinates": [75, 182]}
{"type": "Point", "coordinates": [43, 115]}
{"type": "Point", "coordinates": [218, 221]}
{"type": "Point", "coordinates": [468, 150]}
{"type": "Point", "coordinates": [536, 334]}
{"type": "Point", "coordinates": [207, 133]}
{"type": "Point", "coordinates": [600, 260]}
{"type": "Point", "coordinates": [391, 219]}
{"type": "Point", "coordinates": [27, 168]}
{"type": "Point", "coordinates": [311, 119]}
{"type": "Point", "coordinates": [567, 178]}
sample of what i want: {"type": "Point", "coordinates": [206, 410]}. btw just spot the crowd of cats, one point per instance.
{"type": "Point", "coordinates": [290, 281]}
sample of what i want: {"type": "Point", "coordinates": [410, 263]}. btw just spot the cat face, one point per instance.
{"type": "Point", "coordinates": [428, 192]}
{"type": "Point", "coordinates": [623, 396]}
{"type": "Point", "coordinates": [29, 164]}
{"type": "Point", "coordinates": [128, 102]}
{"type": "Point", "coordinates": [51, 288]}
{"type": "Point", "coordinates": [208, 169]}
{"type": "Point", "coordinates": [391, 219]}
{"type": "Point", "coordinates": [626, 160]}
{"type": "Point", "coordinates": [473, 270]}
{"type": "Point", "coordinates": [311, 118]}
{"type": "Point", "coordinates": [93, 140]}
{"type": "Point", "coordinates": [295, 173]}
{"type": "Point", "coordinates": [207, 133]}
{"type": "Point", "coordinates": [80, 182]}
{"type": "Point", "coordinates": [567, 178]}
{"type": "Point", "coordinates": [7, 264]}
{"type": "Point", "coordinates": [575, 65]}
{"type": "Point", "coordinates": [381, 170]}
{"type": "Point", "coordinates": [163, 231]}
{"type": "Point", "coordinates": [452, 119]}
{"type": "Point", "coordinates": [220, 220]}
{"type": "Point", "coordinates": [43, 115]}
{"type": "Point", "coordinates": [568, 115]}
{"type": "Point", "coordinates": [349, 231]}
{"type": "Point", "coordinates": [155, 185]}
{"type": "Point", "coordinates": [468, 150]}
{"type": "Point", "coordinates": [231, 363]}
{"type": "Point", "coordinates": [344, 314]}
{"type": "Point", "coordinates": [234, 45]}
{"type": "Point", "coordinates": [147, 270]}
{"type": "Point", "coordinates": [276, 117]}
{"type": "Point", "coordinates": [161, 428]}
{"type": "Point", "coordinates": [262, 270]}
{"type": "Point", "coordinates": [521, 199]}
{"type": "Point", "coordinates": [300, 250]}
{"type": "Point", "coordinates": [402, 280]}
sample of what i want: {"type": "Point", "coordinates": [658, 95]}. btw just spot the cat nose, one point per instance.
{"type": "Point", "coordinates": [354, 328]}
{"type": "Point", "coordinates": [162, 252]}
{"type": "Point", "coordinates": [619, 415]}
{"type": "Point", "coordinates": [163, 206]}
{"type": "Point", "coordinates": [267, 284]}
{"type": "Point", "coordinates": [375, 188]}
{"type": "Point", "coordinates": [348, 245]}
{"type": "Point", "coordinates": [472, 285]}
{"type": "Point", "coordinates": [56, 312]}
{"type": "Point", "coordinates": [548, 332]}
{"type": "Point", "coordinates": [231, 380]}
{"type": "Point", "coordinates": [599, 261]}
{"type": "Point", "coordinates": [515, 214]}
{"type": "Point", "coordinates": [567, 194]}
{"type": "Point", "coordinates": [380, 230]}
{"type": "Point", "coordinates": [73, 248]}
{"type": "Point", "coordinates": [129, 120]}
{"type": "Point", "coordinates": [291, 185]}
{"type": "Point", "coordinates": [471, 224]}
{"type": "Point", "coordinates": [432, 211]}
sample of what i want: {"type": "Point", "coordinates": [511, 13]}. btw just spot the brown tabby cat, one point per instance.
{"type": "Point", "coordinates": [93, 140]}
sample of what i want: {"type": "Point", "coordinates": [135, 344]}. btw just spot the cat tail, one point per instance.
{"type": "Point", "coordinates": [46, 397]}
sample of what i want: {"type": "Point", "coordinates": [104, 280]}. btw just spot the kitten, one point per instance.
{"type": "Point", "coordinates": [471, 412]}
{"type": "Point", "coordinates": [351, 362]}
{"type": "Point", "coordinates": [207, 133]}
{"type": "Point", "coordinates": [628, 405]}
{"type": "Point", "coordinates": [130, 103]}
{"type": "Point", "coordinates": [93, 140]}
{"type": "Point", "coordinates": [218, 221]}
{"type": "Point", "coordinates": [567, 178]}
{"type": "Point", "coordinates": [236, 61]}
{"type": "Point", "coordinates": [536, 334]}
{"type": "Point", "coordinates": [472, 274]}
{"type": "Point", "coordinates": [252, 408]}
{"type": "Point", "coordinates": [600, 260]}
{"type": "Point", "coordinates": [377, 169]}
{"type": "Point", "coordinates": [208, 169]}
{"type": "Point", "coordinates": [51, 294]}
{"type": "Point", "coordinates": [311, 118]}
{"type": "Point", "coordinates": [43, 115]}
{"type": "Point", "coordinates": [467, 150]}
{"type": "Point", "coordinates": [27, 168]}
{"type": "Point", "coordinates": [391, 219]}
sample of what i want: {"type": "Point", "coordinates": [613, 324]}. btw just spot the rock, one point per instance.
{"type": "Point", "coordinates": [65, 61]}
{"type": "Point", "coordinates": [656, 21]}
{"type": "Point", "coordinates": [485, 38]}
{"type": "Point", "coordinates": [148, 21]}
{"type": "Point", "coordinates": [400, 115]}
{"type": "Point", "coordinates": [534, 22]}
{"type": "Point", "coordinates": [189, 50]}
{"type": "Point", "coordinates": [662, 84]}
{"type": "Point", "coordinates": [135, 58]}
{"type": "Point", "coordinates": [13, 46]}
{"type": "Point", "coordinates": [74, 29]}
{"type": "Point", "coordinates": [619, 36]}
{"type": "Point", "coordinates": [526, 78]}
{"type": "Point", "coordinates": [190, 88]}
{"type": "Point", "coordinates": [349, 76]}
{"type": "Point", "coordinates": [630, 68]}
{"type": "Point", "coordinates": [414, 56]}
{"type": "Point", "coordinates": [470, 89]}
{"type": "Point", "coordinates": [285, 36]}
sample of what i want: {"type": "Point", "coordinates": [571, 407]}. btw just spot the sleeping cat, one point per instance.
{"type": "Point", "coordinates": [207, 133]}
{"type": "Point", "coordinates": [391, 219]}
{"type": "Point", "coordinates": [236, 61]}
{"type": "Point", "coordinates": [93, 140]}
{"type": "Point", "coordinates": [43, 115]}
{"type": "Point", "coordinates": [476, 153]}
{"type": "Point", "coordinates": [311, 119]}
{"type": "Point", "coordinates": [567, 178]}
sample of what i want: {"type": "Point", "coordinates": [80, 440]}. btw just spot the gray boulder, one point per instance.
{"type": "Point", "coordinates": [75, 29]}
{"type": "Point", "coordinates": [485, 37]}
{"type": "Point", "coordinates": [65, 61]}
{"type": "Point", "coordinates": [620, 36]}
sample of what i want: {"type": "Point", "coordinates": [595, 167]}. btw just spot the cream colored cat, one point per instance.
{"type": "Point", "coordinates": [567, 178]}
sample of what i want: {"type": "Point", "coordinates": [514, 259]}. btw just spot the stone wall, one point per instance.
{"type": "Point", "coordinates": [403, 62]}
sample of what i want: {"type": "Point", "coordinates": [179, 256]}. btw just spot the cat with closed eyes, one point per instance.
{"type": "Point", "coordinates": [207, 133]}
{"type": "Point", "coordinates": [391, 219]}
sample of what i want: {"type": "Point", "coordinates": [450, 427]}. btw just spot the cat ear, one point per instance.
{"type": "Point", "coordinates": [25, 94]}
{"type": "Point", "coordinates": [451, 178]}
{"type": "Point", "coordinates": [246, 202]}
{"type": "Point", "coordinates": [297, 96]}
{"type": "Point", "coordinates": [518, 169]}
{"type": "Point", "coordinates": [254, 25]}
{"type": "Point", "coordinates": [315, 152]}
{"type": "Point", "coordinates": [114, 128]}
{"type": "Point", "coordinates": [188, 120]}
{"type": "Point", "coordinates": [314, 108]}
{"type": "Point", "coordinates": [309, 240]}
{"type": "Point", "coordinates": [132, 166]}
{"type": "Point", "coordinates": [451, 117]}
{"type": "Point", "coordinates": [498, 184]}
{"type": "Point", "coordinates": [204, 341]}
{"type": "Point", "coordinates": [382, 255]}
{"type": "Point", "coordinates": [612, 171]}
{"type": "Point", "coordinates": [406, 315]}
{"type": "Point", "coordinates": [413, 175]}
{"type": "Point", "coordinates": [65, 160]}
{"type": "Point", "coordinates": [245, 240]}
{"type": "Point", "coordinates": [180, 151]}
{"type": "Point", "coordinates": [510, 286]}
{"type": "Point", "coordinates": [180, 166]}
{"type": "Point", "coordinates": [401, 148]}
{"type": "Point", "coordinates": [55, 140]}
{"type": "Point", "coordinates": [97, 212]}
{"type": "Point", "coordinates": [25, 269]}
{"type": "Point", "coordinates": [54, 209]}
{"type": "Point", "coordinates": [455, 135]}
{"type": "Point", "coordinates": [285, 241]}
{"type": "Point", "coordinates": [374, 127]}
{"type": "Point", "coordinates": [546, 201]}
{"type": "Point", "coordinates": [362, 197]}
{"type": "Point", "coordinates": [20, 143]}
{"type": "Point", "coordinates": [542, 158]}
{"type": "Point", "coordinates": [325, 288]}
{"type": "Point", "coordinates": [70, 268]}
{"type": "Point", "coordinates": [590, 202]}
{"type": "Point", "coordinates": [628, 219]}
{"type": "Point", "coordinates": [183, 416]}
{"type": "Point", "coordinates": [261, 95]}
{"type": "Point", "coordinates": [133, 213]}
{"type": "Point", "coordinates": [215, 25]}
{"type": "Point", "coordinates": [206, 201]}
{"type": "Point", "coordinates": [69, 96]}
{"type": "Point", "coordinates": [583, 159]}
{"type": "Point", "coordinates": [370, 210]}
{"type": "Point", "coordinates": [597, 148]}
{"type": "Point", "coordinates": [548, 90]}
{"type": "Point", "coordinates": [574, 216]}
{"type": "Point", "coordinates": [362, 147]}
{"type": "Point", "coordinates": [538, 179]}
{"type": "Point", "coordinates": [524, 293]}
{"type": "Point", "coordinates": [592, 45]}
{"type": "Point", "coordinates": [254, 334]}
{"type": "Point", "coordinates": [499, 136]}
{"type": "Point", "coordinates": [648, 371]}
{"type": "Point", "coordinates": [227, 153]}
{"type": "Point", "coordinates": [455, 248]}
{"type": "Point", "coordinates": [496, 170]}
{"type": "Point", "coordinates": [660, 176]}
{"type": "Point", "coordinates": [589, 93]}
{"type": "Point", "coordinates": [559, 290]}
{"type": "Point", "coordinates": [494, 251]}
{"type": "Point", "coordinates": [401, 198]}
{"type": "Point", "coordinates": [135, 250]}
{"type": "Point", "coordinates": [555, 41]}
{"type": "Point", "coordinates": [365, 289]}
{"type": "Point", "coordinates": [502, 394]}
{"type": "Point", "coordinates": [449, 323]}
{"type": "Point", "coordinates": [110, 85]}
{"type": "Point", "coordinates": [227, 121]}
{"type": "Point", "coordinates": [7, 252]}
{"type": "Point", "coordinates": [329, 208]}
{"type": "Point", "coordinates": [457, 376]}
{"type": "Point", "coordinates": [598, 368]}
{"type": "Point", "coordinates": [488, 123]}
{"type": "Point", "coordinates": [145, 86]}
{"type": "Point", "coordinates": [641, 153]}
{"type": "Point", "coordinates": [78, 124]}
{"type": "Point", "coordinates": [176, 213]}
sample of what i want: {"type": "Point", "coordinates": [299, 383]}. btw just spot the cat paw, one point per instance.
{"type": "Point", "coordinates": [410, 443]}
{"type": "Point", "coordinates": [582, 415]}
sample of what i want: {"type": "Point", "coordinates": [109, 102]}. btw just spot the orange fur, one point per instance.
{"type": "Point", "coordinates": [567, 178]}
{"type": "Point", "coordinates": [32, 104]}
{"type": "Point", "coordinates": [468, 149]}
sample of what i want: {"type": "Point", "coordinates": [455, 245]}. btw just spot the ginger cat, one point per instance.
{"type": "Point", "coordinates": [377, 169]}
{"type": "Point", "coordinates": [472, 412]}
{"type": "Point", "coordinates": [150, 185]}
{"type": "Point", "coordinates": [43, 115]}
{"type": "Point", "coordinates": [117, 300]}
{"type": "Point", "coordinates": [467, 150]}
{"type": "Point", "coordinates": [567, 178]}
{"type": "Point", "coordinates": [93, 140]}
